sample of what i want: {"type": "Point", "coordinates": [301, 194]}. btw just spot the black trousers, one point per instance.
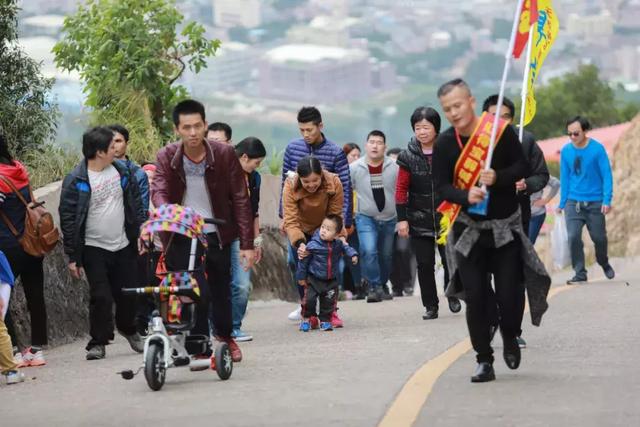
{"type": "Point", "coordinates": [29, 269]}
{"type": "Point", "coordinates": [506, 266]}
{"type": "Point", "coordinates": [425, 250]}
{"type": "Point", "coordinates": [215, 286]}
{"type": "Point", "coordinates": [326, 291]}
{"type": "Point", "coordinates": [146, 265]}
{"type": "Point", "coordinates": [403, 266]}
{"type": "Point", "coordinates": [108, 272]}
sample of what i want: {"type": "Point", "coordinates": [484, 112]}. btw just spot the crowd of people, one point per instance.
{"type": "Point", "coordinates": [354, 220]}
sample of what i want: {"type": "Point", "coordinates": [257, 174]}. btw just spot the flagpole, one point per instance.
{"type": "Point", "coordinates": [503, 84]}
{"type": "Point", "coordinates": [525, 83]}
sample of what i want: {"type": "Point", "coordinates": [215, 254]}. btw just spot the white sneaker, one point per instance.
{"type": "Point", "coordinates": [36, 358]}
{"type": "Point", "coordinates": [20, 360]}
{"type": "Point", "coordinates": [296, 315]}
{"type": "Point", "coordinates": [14, 377]}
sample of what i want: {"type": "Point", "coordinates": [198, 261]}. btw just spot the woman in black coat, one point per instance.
{"type": "Point", "coordinates": [416, 204]}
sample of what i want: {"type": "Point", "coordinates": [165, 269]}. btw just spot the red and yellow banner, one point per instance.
{"type": "Point", "coordinates": [528, 17]}
{"type": "Point", "coordinates": [544, 34]}
{"type": "Point", "coordinates": [468, 168]}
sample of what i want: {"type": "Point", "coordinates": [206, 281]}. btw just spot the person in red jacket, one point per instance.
{"type": "Point", "coordinates": [207, 177]}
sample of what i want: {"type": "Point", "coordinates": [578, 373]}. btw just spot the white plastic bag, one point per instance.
{"type": "Point", "coordinates": [560, 243]}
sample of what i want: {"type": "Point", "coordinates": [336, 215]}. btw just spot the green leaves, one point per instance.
{"type": "Point", "coordinates": [133, 46]}
{"type": "Point", "coordinates": [27, 112]}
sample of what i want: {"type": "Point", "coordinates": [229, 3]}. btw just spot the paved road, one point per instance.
{"type": "Point", "coordinates": [580, 369]}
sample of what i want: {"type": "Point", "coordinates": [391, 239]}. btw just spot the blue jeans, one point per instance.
{"type": "Point", "coordinates": [579, 214]}
{"type": "Point", "coordinates": [376, 249]}
{"type": "Point", "coordinates": [535, 224]}
{"type": "Point", "coordinates": [240, 286]}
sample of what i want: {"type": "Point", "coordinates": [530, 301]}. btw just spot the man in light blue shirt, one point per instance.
{"type": "Point", "coordinates": [586, 189]}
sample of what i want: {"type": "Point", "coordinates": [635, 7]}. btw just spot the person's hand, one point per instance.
{"type": "Point", "coordinates": [142, 248]}
{"type": "Point", "coordinates": [403, 229]}
{"type": "Point", "coordinates": [354, 260]}
{"type": "Point", "coordinates": [343, 240]}
{"type": "Point", "coordinates": [559, 211]}
{"type": "Point", "coordinates": [258, 252]}
{"type": "Point", "coordinates": [487, 177]}
{"type": "Point", "coordinates": [521, 185]}
{"type": "Point", "coordinates": [247, 258]}
{"type": "Point", "coordinates": [76, 272]}
{"type": "Point", "coordinates": [302, 251]}
{"type": "Point", "coordinates": [281, 228]}
{"type": "Point", "coordinates": [302, 282]}
{"type": "Point", "coordinates": [605, 209]}
{"type": "Point", "coordinates": [476, 195]}
{"type": "Point", "coordinates": [540, 203]}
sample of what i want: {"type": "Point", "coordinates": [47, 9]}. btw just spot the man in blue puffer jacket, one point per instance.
{"type": "Point", "coordinates": [314, 143]}
{"type": "Point", "coordinates": [317, 273]}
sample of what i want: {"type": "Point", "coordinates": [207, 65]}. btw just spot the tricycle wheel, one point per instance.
{"type": "Point", "coordinates": [154, 366]}
{"type": "Point", "coordinates": [224, 363]}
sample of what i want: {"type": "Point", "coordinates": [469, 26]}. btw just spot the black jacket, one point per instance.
{"type": "Point", "coordinates": [74, 206]}
{"type": "Point", "coordinates": [422, 203]}
{"type": "Point", "coordinates": [537, 179]}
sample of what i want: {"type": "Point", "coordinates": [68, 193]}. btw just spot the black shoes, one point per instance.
{"type": "Point", "coordinates": [484, 373]}
{"type": "Point", "coordinates": [511, 352]}
{"type": "Point", "coordinates": [608, 271]}
{"type": "Point", "coordinates": [374, 295]}
{"type": "Point", "coordinates": [454, 304]}
{"type": "Point", "coordinates": [96, 352]}
{"type": "Point", "coordinates": [385, 294]}
{"type": "Point", "coordinates": [431, 313]}
{"type": "Point", "coordinates": [577, 280]}
{"type": "Point", "coordinates": [397, 293]}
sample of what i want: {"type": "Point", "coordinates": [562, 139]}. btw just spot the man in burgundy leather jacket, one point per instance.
{"type": "Point", "coordinates": [207, 177]}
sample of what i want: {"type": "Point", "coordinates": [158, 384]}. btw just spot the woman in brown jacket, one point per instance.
{"type": "Point", "coordinates": [308, 196]}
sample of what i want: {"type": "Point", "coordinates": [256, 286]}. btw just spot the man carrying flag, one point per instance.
{"type": "Point", "coordinates": [490, 244]}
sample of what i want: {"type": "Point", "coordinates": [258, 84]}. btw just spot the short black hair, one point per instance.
{"type": "Point", "coordinates": [220, 126]}
{"type": "Point", "coordinates": [493, 100]}
{"type": "Point", "coordinates": [121, 130]}
{"type": "Point", "coordinates": [308, 165]}
{"type": "Point", "coordinates": [451, 85]}
{"type": "Point", "coordinates": [350, 146]}
{"type": "Point", "coordinates": [188, 106]}
{"type": "Point", "coordinates": [584, 123]}
{"type": "Point", "coordinates": [309, 114]}
{"type": "Point", "coordinates": [379, 133]}
{"type": "Point", "coordinates": [394, 150]}
{"type": "Point", "coordinates": [252, 147]}
{"type": "Point", "coordinates": [337, 220]}
{"type": "Point", "coordinates": [426, 113]}
{"type": "Point", "coordinates": [96, 139]}
{"type": "Point", "coordinates": [5, 153]}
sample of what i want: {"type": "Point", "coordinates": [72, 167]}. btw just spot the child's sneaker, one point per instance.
{"type": "Point", "coordinates": [305, 326]}
{"type": "Point", "coordinates": [296, 314]}
{"type": "Point", "coordinates": [314, 322]}
{"type": "Point", "coordinates": [14, 377]}
{"type": "Point", "coordinates": [35, 356]}
{"type": "Point", "coordinates": [326, 326]}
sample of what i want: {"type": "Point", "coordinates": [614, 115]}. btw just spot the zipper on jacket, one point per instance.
{"type": "Point", "coordinates": [329, 246]}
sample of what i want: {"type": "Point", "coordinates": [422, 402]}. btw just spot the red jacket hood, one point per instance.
{"type": "Point", "coordinates": [16, 173]}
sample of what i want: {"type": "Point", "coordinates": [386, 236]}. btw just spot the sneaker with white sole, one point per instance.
{"type": "Point", "coordinates": [135, 341]}
{"type": "Point", "coordinates": [240, 336]}
{"type": "Point", "coordinates": [296, 315]}
{"type": "Point", "coordinates": [18, 358]}
{"type": "Point", "coordinates": [14, 377]}
{"type": "Point", "coordinates": [35, 356]}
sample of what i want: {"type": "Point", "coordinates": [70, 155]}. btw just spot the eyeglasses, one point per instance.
{"type": "Point", "coordinates": [574, 134]}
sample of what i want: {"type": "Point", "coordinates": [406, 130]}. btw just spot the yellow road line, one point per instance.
{"type": "Point", "coordinates": [407, 406]}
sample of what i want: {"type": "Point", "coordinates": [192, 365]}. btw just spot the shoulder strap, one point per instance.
{"type": "Point", "coordinates": [10, 226]}
{"type": "Point", "coordinates": [15, 190]}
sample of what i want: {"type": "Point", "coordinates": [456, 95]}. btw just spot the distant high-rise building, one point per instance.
{"type": "Point", "coordinates": [237, 13]}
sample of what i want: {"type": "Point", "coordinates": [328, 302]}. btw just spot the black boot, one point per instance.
{"type": "Point", "coordinates": [484, 373]}
{"type": "Point", "coordinates": [511, 352]}
{"type": "Point", "coordinates": [454, 304]}
{"type": "Point", "coordinates": [431, 313]}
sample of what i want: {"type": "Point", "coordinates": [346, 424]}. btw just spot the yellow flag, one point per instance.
{"type": "Point", "coordinates": [544, 34]}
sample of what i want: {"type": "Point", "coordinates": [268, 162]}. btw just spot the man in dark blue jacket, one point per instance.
{"type": "Point", "coordinates": [317, 273]}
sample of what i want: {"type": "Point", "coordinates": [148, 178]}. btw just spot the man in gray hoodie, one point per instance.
{"type": "Point", "coordinates": [373, 179]}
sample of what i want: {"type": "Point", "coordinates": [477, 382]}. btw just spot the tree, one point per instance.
{"type": "Point", "coordinates": [27, 112]}
{"type": "Point", "coordinates": [580, 93]}
{"type": "Point", "coordinates": [131, 48]}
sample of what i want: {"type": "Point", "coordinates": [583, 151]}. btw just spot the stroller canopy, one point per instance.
{"type": "Point", "coordinates": [174, 218]}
